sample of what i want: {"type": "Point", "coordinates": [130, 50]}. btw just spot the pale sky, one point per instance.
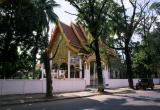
{"type": "Point", "coordinates": [60, 11]}
{"type": "Point", "coordinates": [65, 6]}
{"type": "Point", "coordinates": [63, 16]}
{"type": "Point", "coordinates": [67, 18]}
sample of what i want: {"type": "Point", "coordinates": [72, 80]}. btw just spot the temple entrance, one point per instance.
{"type": "Point", "coordinates": [93, 74]}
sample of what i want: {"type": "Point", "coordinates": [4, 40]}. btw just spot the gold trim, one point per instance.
{"type": "Point", "coordinates": [51, 43]}
{"type": "Point", "coordinates": [78, 36]}
{"type": "Point", "coordinates": [84, 33]}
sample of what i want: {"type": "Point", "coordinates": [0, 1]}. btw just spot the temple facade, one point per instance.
{"type": "Point", "coordinates": [70, 57]}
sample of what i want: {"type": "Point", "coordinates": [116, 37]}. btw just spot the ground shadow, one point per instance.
{"type": "Point", "coordinates": [103, 102]}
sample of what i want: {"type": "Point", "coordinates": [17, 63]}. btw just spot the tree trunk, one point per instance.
{"type": "Point", "coordinates": [34, 61]}
{"type": "Point", "coordinates": [34, 68]}
{"type": "Point", "coordinates": [99, 67]}
{"type": "Point", "coordinates": [48, 75]}
{"type": "Point", "coordinates": [129, 67]}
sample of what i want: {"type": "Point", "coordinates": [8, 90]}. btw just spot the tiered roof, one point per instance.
{"type": "Point", "coordinates": [75, 37]}
{"type": "Point", "coordinates": [74, 34]}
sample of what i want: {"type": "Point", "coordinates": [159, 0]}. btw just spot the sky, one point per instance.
{"type": "Point", "coordinates": [60, 11]}
{"type": "Point", "coordinates": [63, 16]}
{"type": "Point", "coordinates": [65, 6]}
{"type": "Point", "coordinates": [68, 18]}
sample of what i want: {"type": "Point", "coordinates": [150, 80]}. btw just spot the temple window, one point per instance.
{"type": "Point", "coordinates": [59, 71]}
{"type": "Point", "coordinates": [64, 67]}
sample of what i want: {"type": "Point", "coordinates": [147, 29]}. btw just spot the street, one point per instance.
{"type": "Point", "coordinates": [141, 100]}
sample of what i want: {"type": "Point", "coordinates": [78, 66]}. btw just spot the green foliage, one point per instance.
{"type": "Point", "coordinates": [23, 33]}
{"type": "Point", "coordinates": [17, 23]}
{"type": "Point", "coordinates": [146, 60]}
{"type": "Point", "coordinates": [156, 6]}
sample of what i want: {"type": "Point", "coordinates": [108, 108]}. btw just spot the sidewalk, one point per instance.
{"type": "Point", "coordinates": [34, 98]}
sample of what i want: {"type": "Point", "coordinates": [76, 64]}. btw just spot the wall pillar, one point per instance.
{"type": "Point", "coordinates": [108, 69]}
{"type": "Point", "coordinates": [105, 76]}
{"type": "Point", "coordinates": [69, 63]}
{"type": "Point", "coordinates": [43, 71]}
{"type": "Point", "coordinates": [87, 74]}
{"type": "Point", "coordinates": [95, 82]}
{"type": "Point", "coordinates": [50, 61]}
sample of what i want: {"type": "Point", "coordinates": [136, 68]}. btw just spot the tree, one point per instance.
{"type": "Point", "coordinates": [17, 22]}
{"type": "Point", "coordinates": [145, 50]}
{"type": "Point", "coordinates": [91, 13]}
{"type": "Point", "coordinates": [125, 29]}
{"type": "Point", "coordinates": [147, 57]}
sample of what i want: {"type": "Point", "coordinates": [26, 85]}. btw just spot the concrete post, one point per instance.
{"type": "Point", "coordinates": [87, 74]}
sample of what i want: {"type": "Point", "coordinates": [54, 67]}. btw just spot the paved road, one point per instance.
{"type": "Point", "coordinates": [141, 100]}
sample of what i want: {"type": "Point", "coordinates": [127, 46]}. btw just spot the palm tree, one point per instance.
{"type": "Point", "coordinates": [46, 16]}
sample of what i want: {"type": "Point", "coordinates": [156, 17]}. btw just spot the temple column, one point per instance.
{"type": "Point", "coordinates": [69, 57]}
{"type": "Point", "coordinates": [80, 67]}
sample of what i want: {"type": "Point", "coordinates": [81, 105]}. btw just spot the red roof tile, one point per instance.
{"type": "Point", "coordinates": [79, 31]}
{"type": "Point", "coordinates": [71, 36]}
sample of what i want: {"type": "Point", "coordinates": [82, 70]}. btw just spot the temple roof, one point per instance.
{"type": "Point", "coordinates": [74, 34]}
{"type": "Point", "coordinates": [71, 36]}
{"type": "Point", "coordinates": [75, 38]}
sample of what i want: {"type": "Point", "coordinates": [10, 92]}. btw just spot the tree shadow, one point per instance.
{"type": "Point", "coordinates": [90, 103]}
{"type": "Point", "coordinates": [141, 98]}
{"type": "Point", "coordinates": [157, 90]}
{"type": "Point", "coordinates": [102, 102]}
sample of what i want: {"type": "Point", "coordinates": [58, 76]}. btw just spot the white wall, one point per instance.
{"type": "Point", "coordinates": [68, 85]}
{"type": "Point", "coordinates": [156, 81]}
{"type": "Point", "coordinates": [18, 86]}
{"type": "Point", "coordinates": [33, 86]}
{"type": "Point", "coordinates": [115, 83]}
{"type": "Point", "coordinates": [105, 77]}
{"type": "Point", "coordinates": [87, 76]}
{"type": "Point", "coordinates": [12, 87]}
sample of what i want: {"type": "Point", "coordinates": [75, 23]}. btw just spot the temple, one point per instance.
{"type": "Point", "coordinates": [71, 58]}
